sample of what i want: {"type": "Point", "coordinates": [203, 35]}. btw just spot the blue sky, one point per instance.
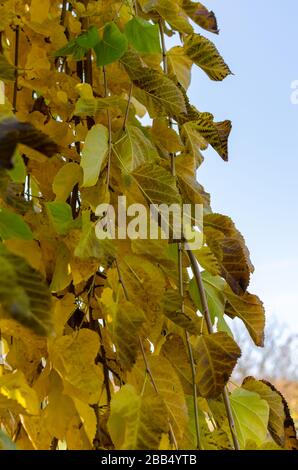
{"type": "Point", "coordinates": [258, 187]}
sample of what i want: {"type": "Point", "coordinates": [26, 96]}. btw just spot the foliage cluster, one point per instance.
{"type": "Point", "coordinates": [110, 344]}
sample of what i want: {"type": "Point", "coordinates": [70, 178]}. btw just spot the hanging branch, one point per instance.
{"type": "Point", "coordinates": [189, 347]}
{"type": "Point", "coordinates": [147, 367]}
{"type": "Point", "coordinates": [128, 106]}
{"type": "Point", "coordinates": [166, 70]}
{"type": "Point", "coordinates": [200, 284]}
{"type": "Point", "coordinates": [206, 313]}
{"type": "Point", "coordinates": [106, 94]}
{"type": "Point", "coordinates": [16, 64]}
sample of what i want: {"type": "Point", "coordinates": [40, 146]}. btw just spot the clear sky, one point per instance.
{"type": "Point", "coordinates": [258, 187]}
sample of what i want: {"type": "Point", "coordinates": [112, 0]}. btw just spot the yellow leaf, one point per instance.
{"type": "Point", "coordinates": [37, 59]}
{"type": "Point", "coordinates": [39, 10]}
{"type": "Point", "coordinates": [94, 152]}
{"type": "Point", "coordinates": [16, 395]}
{"type": "Point", "coordinates": [136, 422]}
{"type": "Point", "coordinates": [73, 357]}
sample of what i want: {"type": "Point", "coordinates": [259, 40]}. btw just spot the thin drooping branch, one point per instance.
{"type": "Point", "coordinates": [106, 92]}
{"type": "Point", "coordinates": [16, 64]}
{"type": "Point", "coordinates": [63, 12]}
{"type": "Point", "coordinates": [147, 367]}
{"type": "Point", "coordinates": [206, 313]}
{"type": "Point", "coordinates": [166, 70]}
{"type": "Point", "coordinates": [189, 347]}
{"type": "Point", "coordinates": [128, 106]}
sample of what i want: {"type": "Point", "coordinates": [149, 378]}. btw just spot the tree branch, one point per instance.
{"type": "Point", "coordinates": [166, 70]}
{"type": "Point", "coordinates": [106, 91]}
{"type": "Point", "coordinates": [206, 313]}
{"type": "Point", "coordinates": [16, 64]}
{"type": "Point", "coordinates": [189, 347]}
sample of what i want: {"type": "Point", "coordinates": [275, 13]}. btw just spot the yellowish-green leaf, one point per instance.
{"type": "Point", "coordinates": [179, 66]}
{"type": "Point", "coordinates": [187, 320]}
{"type": "Point", "coordinates": [24, 294]}
{"type": "Point", "coordinates": [251, 415]}
{"type": "Point", "coordinates": [65, 180]}
{"type": "Point", "coordinates": [281, 424]}
{"type": "Point", "coordinates": [94, 153]}
{"type": "Point", "coordinates": [165, 137]}
{"type": "Point", "coordinates": [216, 356]}
{"type": "Point", "coordinates": [136, 422]}
{"type": "Point", "coordinates": [157, 184]}
{"type": "Point", "coordinates": [175, 352]}
{"type": "Point", "coordinates": [274, 400]}
{"type": "Point", "coordinates": [126, 323]}
{"type": "Point", "coordinates": [250, 310]}
{"type": "Point", "coordinates": [7, 71]}
{"type": "Point", "coordinates": [13, 226]}
{"type": "Point", "coordinates": [204, 54]}
{"type": "Point", "coordinates": [135, 148]}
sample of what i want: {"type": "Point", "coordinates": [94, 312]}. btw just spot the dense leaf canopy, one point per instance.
{"type": "Point", "coordinates": [114, 344]}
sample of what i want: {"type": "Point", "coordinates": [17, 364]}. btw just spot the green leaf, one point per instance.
{"type": "Point", "coordinates": [18, 173]}
{"type": "Point", "coordinates": [251, 415]}
{"type": "Point", "coordinates": [143, 36]}
{"type": "Point", "coordinates": [216, 356]}
{"type": "Point", "coordinates": [24, 293]}
{"type": "Point", "coordinates": [204, 54]}
{"type": "Point", "coordinates": [214, 286]}
{"type": "Point", "coordinates": [7, 71]}
{"type": "Point", "coordinates": [281, 424]}
{"type": "Point", "coordinates": [13, 226]}
{"type": "Point", "coordinates": [112, 46]}
{"type": "Point", "coordinates": [274, 400]}
{"type": "Point", "coordinates": [61, 216]}
{"type": "Point", "coordinates": [89, 39]}
{"type": "Point", "coordinates": [136, 422]}
{"type": "Point", "coordinates": [94, 153]}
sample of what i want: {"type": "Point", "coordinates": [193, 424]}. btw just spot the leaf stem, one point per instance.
{"type": "Point", "coordinates": [206, 313]}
